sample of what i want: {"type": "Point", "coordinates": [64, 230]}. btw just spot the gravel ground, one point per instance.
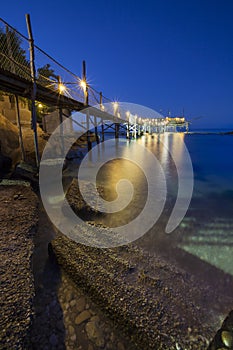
{"type": "Point", "coordinates": [157, 305]}
{"type": "Point", "coordinates": [152, 304]}
{"type": "Point", "coordinates": [65, 318]}
{"type": "Point", "coordinates": [18, 217]}
{"type": "Point", "coordinates": [41, 307]}
{"type": "Point", "coordinates": [89, 298]}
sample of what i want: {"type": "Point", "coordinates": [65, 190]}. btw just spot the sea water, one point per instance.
{"type": "Point", "coordinates": [202, 243]}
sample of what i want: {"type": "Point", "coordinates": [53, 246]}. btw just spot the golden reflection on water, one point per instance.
{"type": "Point", "coordinates": [109, 175]}
{"type": "Point", "coordinates": [121, 168]}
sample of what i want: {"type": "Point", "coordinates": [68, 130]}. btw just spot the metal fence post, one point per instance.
{"type": "Point", "coordinates": [33, 95]}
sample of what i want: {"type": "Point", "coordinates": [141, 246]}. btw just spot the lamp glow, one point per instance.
{"type": "Point", "coordinates": [115, 105]}
{"type": "Point", "coordinates": [61, 88]}
{"type": "Point", "coordinates": [83, 84]}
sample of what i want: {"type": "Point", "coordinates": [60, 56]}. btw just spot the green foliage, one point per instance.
{"type": "Point", "coordinates": [46, 71]}
{"type": "Point", "coordinates": [13, 56]}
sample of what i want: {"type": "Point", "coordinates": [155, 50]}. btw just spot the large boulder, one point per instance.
{"type": "Point", "coordinates": [9, 144]}
{"type": "Point", "coordinates": [10, 152]}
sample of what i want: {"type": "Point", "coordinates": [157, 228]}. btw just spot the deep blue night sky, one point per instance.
{"type": "Point", "coordinates": [164, 54]}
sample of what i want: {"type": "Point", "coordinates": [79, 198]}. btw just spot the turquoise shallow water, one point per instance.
{"type": "Point", "coordinates": [206, 231]}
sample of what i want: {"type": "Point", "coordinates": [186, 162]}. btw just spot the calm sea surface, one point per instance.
{"type": "Point", "coordinates": [202, 243]}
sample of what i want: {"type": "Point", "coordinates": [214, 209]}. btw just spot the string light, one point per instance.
{"type": "Point", "coordinates": [61, 88]}
{"type": "Point", "coordinates": [115, 105]}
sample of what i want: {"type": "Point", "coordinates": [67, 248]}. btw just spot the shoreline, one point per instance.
{"type": "Point", "coordinates": [151, 301]}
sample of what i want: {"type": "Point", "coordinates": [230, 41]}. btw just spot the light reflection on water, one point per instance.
{"type": "Point", "coordinates": [206, 232]}
{"type": "Point", "coordinates": [203, 243]}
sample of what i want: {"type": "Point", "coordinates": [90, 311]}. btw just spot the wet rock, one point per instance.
{"type": "Point", "coordinates": [85, 315]}
{"type": "Point", "coordinates": [95, 334]}
{"type": "Point", "coordinates": [227, 339]}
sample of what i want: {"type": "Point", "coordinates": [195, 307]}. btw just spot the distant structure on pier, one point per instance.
{"type": "Point", "coordinates": [166, 124]}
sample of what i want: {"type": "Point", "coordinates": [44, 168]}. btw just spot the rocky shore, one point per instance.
{"type": "Point", "coordinates": [41, 307]}
{"type": "Point", "coordinates": [153, 303]}
{"type": "Point", "coordinates": [90, 298]}
{"type": "Point", "coordinates": [157, 305]}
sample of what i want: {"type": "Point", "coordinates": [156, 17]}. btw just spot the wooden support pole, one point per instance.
{"type": "Point", "coordinates": [102, 130]}
{"type": "Point", "coordinates": [61, 131]}
{"type": "Point", "coordinates": [33, 93]}
{"type": "Point", "coordinates": [116, 130]}
{"type": "Point", "coordinates": [84, 78]}
{"type": "Point", "coordinates": [96, 131]}
{"type": "Point", "coordinates": [101, 100]}
{"type": "Point", "coordinates": [89, 145]}
{"type": "Point", "coordinates": [102, 124]}
{"type": "Point", "coordinates": [19, 128]}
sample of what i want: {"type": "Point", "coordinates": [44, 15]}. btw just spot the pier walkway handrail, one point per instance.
{"type": "Point", "coordinates": [56, 85]}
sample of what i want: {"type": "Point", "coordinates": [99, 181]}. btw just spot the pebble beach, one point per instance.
{"type": "Point", "coordinates": [58, 294]}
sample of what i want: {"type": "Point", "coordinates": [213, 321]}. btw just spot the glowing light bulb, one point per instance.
{"type": "Point", "coordinates": [115, 105]}
{"type": "Point", "coordinates": [61, 87]}
{"type": "Point", "coordinates": [83, 84]}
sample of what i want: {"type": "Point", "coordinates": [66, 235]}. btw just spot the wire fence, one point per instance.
{"type": "Point", "coordinates": [15, 59]}
{"type": "Point", "coordinates": [14, 51]}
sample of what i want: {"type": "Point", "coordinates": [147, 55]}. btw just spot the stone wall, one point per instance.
{"type": "Point", "coordinates": [8, 110]}
{"type": "Point", "coordinates": [51, 121]}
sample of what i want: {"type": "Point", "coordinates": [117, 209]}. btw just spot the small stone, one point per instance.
{"type": "Point", "coordinates": [71, 330]}
{"type": "Point", "coordinates": [112, 337]}
{"type": "Point", "coordinates": [69, 296]}
{"type": "Point", "coordinates": [73, 303]}
{"type": "Point", "coordinates": [53, 340]}
{"type": "Point", "coordinates": [227, 339]}
{"type": "Point", "coordinates": [73, 338]}
{"type": "Point", "coordinates": [95, 334]}
{"type": "Point", "coordinates": [85, 315]}
{"type": "Point", "coordinates": [95, 318]}
{"type": "Point", "coordinates": [120, 346]}
{"type": "Point", "coordinates": [81, 303]}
